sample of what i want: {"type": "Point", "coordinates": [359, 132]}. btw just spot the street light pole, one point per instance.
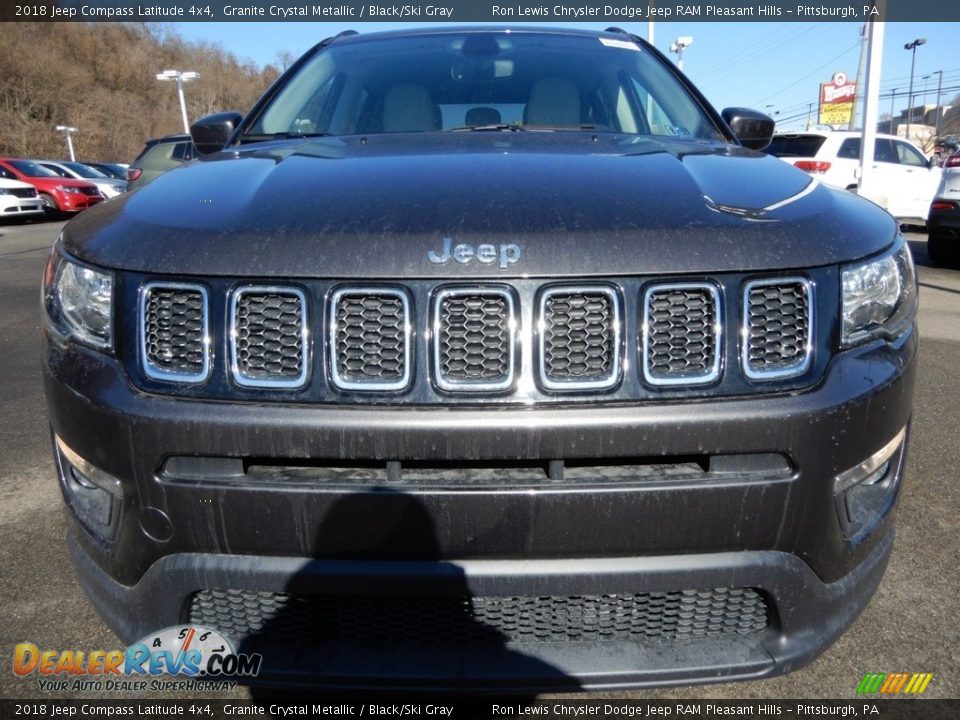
{"type": "Point", "coordinates": [912, 46]}
{"type": "Point", "coordinates": [180, 78]}
{"type": "Point", "coordinates": [678, 46]}
{"type": "Point", "coordinates": [69, 131]}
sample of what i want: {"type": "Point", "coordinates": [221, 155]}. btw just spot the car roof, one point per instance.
{"type": "Point", "coordinates": [836, 133]}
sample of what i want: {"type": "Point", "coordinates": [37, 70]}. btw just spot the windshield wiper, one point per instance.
{"type": "Point", "coordinates": [492, 127]}
{"type": "Point", "coordinates": [265, 137]}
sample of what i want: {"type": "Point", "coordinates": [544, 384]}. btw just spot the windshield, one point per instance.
{"type": "Point", "coordinates": [484, 79]}
{"type": "Point", "coordinates": [84, 170]}
{"type": "Point", "coordinates": [31, 169]}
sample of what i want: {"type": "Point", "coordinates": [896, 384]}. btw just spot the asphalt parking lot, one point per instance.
{"type": "Point", "coordinates": [912, 625]}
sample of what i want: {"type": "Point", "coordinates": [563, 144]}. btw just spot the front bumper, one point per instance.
{"type": "Point", "coordinates": [750, 524]}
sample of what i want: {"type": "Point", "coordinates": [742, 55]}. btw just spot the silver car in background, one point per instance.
{"type": "Point", "coordinates": [108, 186]}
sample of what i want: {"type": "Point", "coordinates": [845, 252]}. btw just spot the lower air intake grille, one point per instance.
{"type": "Point", "coordinates": [779, 326]}
{"type": "Point", "coordinates": [269, 337]}
{"type": "Point", "coordinates": [681, 337]}
{"type": "Point", "coordinates": [663, 616]}
{"type": "Point", "coordinates": [475, 339]}
{"type": "Point", "coordinates": [174, 332]}
{"type": "Point", "coordinates": [370, 338]}
{"type": "Point", "coordinates": [580, 338]}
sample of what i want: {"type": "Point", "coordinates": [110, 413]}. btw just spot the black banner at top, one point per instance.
{"type": "Point", "coordinates": [506, 11]}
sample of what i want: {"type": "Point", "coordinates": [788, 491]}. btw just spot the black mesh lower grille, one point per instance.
{"type": "Point", "coordinates": [370, 337]}
{"type": "Point", "coordinates": [474, 338]}
{"type": "Point", "coordinates": [778, 327]}
{"type": "Point", "coordinates": [269, 335]}
{"type": "Point", "coordinates": [578, 341]}
{"type": "Point", "coordinates": [681, 333]}
{"type": "Point", "coordinates": [660, 616]}
{"type": "Point", "coordinates": [173, 331]}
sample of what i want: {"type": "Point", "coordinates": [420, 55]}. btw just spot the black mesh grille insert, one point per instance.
{"type": "Point", "coordinates": [90, 191]}
{"type": "Point", "coordinates": [778, 327]}
{"type": "Point", "coordinates": [681, 333]}
{"type": "Point", "coordinates": [23, 192]}
{"type": "Point", "coordinates": [474, 338]}
{"type": "Point", "coordinates": [370, 337]}
{"type": "Point", "coordinates": [269, 335]}
{"type": "Point", "coordinates": [579, 336]}
{"type": "Point", "coordinates": [174, 332]}
{"type": "Point", "coordinates": [651, 617]}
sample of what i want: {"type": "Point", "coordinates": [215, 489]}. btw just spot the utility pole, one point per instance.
{"type": "Point", "coordinates": [859, 92]}
{"type": "Point", "coordinates": [939, 74]}
{"type": "Point", "coordinates": [809, 116]}
{"type": "Point", "coordinates": [892, 96]}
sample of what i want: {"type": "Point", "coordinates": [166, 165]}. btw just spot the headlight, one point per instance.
{"type": "Point", "coordinates": [5, 191]}
{"type": "Point", "coordinates": [68, 188]}
{"type": "Point", "coordinates": [879, 296]}
{"type": "Point", "coordinates": [79, 301]}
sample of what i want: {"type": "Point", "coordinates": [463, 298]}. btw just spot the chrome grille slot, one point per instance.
{"type": "Point", "coordinates": [778, 333]}
{"type": "Point", "coordinates": [474, 339]}
{"type": "Point", "coordinates": [681, 334]}
{"type": "Point", "coordinates": [174, 332]}
{"type": "Point", "coordinates": [370, 339]}
{"type": "Point", "coordinates": [579, 338]}
{"type": "Point", "coordinates": [269, 337]}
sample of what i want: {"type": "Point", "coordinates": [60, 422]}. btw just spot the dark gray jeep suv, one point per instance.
{"type": "Point", "coordinates": [488, 358]}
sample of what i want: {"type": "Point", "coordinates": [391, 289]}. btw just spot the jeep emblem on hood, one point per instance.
{"type": "Point", "coordinates": [506, 253]}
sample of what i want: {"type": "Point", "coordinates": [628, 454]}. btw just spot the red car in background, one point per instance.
{"type": "Point", "coordinates": [58, 195]}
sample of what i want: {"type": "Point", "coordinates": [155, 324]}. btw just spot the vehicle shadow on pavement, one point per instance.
{"type": "Point", "coordinates": [396, 617]}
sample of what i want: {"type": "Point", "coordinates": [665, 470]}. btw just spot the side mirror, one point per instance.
{"type": "Point", "coordinates": [211, 133]}
{"type": "Point", "coordinates": [753, 129]}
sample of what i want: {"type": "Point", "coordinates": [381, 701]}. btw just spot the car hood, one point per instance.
{"type": "Point", "coordinates": [573, 204]}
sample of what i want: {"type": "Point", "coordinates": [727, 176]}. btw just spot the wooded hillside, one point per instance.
{"type": "Point", "coordinates": [101, 79]}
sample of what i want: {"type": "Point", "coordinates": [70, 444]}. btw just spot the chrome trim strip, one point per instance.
{"type": "Point", "coordinates": [613, 377]}
{"type": "Point", "coordinates": [152, 371]}
{"type": "Point", "coordinates": [703, 378]}
{"type": "Point", "coordinates": [790, 370]}
{"type": "Point", "coordinates": [247, 380]}
{"type": "Point", "coordinates": [338, 380]}
{"type": "Point", "coordinates": [512, 329]}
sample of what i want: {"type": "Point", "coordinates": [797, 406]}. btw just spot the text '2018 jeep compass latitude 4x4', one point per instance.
{"type": "Point", "coordinates": [484, 358]}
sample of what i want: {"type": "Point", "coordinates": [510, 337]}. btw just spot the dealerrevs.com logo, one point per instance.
{"type": "Point", "coordinates": [192, 652]}
{"type": "Point", "coordinates": [901, 683]}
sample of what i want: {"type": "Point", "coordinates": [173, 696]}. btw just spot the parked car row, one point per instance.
{"type": "Point", "coordinates": [943, 226]}
{"type": "Point", "coordinates": [53, 187]}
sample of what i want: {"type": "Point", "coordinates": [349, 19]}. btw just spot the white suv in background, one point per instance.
{"type": "Point", "coordinates": [18, 199]}
{"type": "Point", "coordinates": [908, 180]}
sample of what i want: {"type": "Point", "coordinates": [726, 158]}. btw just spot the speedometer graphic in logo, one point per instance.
{"type": "Point", "coordinates": [181, 650]}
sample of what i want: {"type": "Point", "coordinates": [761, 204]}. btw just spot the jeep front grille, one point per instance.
{"type": "Point", "coordinates": [525, 340]}
{"type": "Point", "coordinates": [475, 332]}
{"type": "Point", "coordinates": [370, 339]}
{"type": "Point", "coordinates": [681, 334]}
{"type": "Point", "coordinates": [442, 621]}
{"type": "Point", "coordinates": [269, 337]}
{"type": "Point", "coordinates": [174, 332]}
{"type": "Point", "coordinates": [778, 336]}
{"type": "Point", "coordinates": [579, 338]}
